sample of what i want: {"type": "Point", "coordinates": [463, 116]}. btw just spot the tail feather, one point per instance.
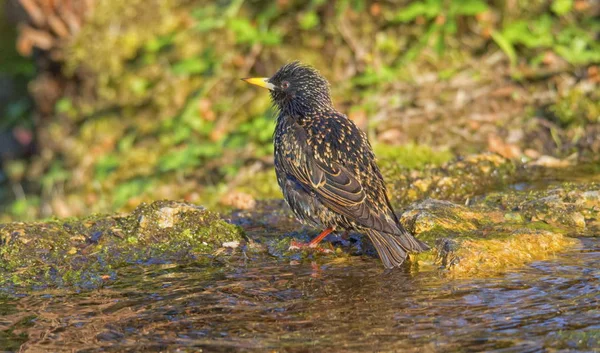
{"type": "Point", "coordinates": [393, 249]}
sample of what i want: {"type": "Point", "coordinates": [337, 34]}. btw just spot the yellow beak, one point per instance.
{"type": "Point", "coordinates": [261, 82]}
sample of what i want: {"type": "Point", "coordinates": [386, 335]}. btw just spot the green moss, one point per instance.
{"type": "Point", "coordinates": [480, 240]}
{"type": "Point", "coordinates": [475, 240]}
{"type": "Point", "coordinates": [411, 156]}
{"type": "Point", "coordinates": [566, 206]}
{"type": "Point", "coordinates": [577, 108]}
{"type": "Point", "coordinates": [82, 252]}
{"type": "Point", "coordinates": [543, 226]}
{"type": "Point", "coordinates": [457, 180]}
{"type": "Point", "coordinates": [489, 257]}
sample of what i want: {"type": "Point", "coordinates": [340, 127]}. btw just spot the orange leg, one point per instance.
{"type": "Point", "coordinates": [295, 245]}
{"type": "Point", "coordinates": [313, 243]}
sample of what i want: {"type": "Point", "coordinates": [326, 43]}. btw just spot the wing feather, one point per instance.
{"type": "Point", "coordinates": [339, 190]}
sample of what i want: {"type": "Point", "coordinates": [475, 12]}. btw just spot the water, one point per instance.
{"type": "Point", "coordinates": [350, 306]}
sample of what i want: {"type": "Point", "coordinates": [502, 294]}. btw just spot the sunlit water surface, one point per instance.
{"type": "Point", "coordinates": [550, 305]}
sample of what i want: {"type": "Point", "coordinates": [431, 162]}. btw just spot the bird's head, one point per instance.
{"type": "Point", "coordinates": [296, 88]}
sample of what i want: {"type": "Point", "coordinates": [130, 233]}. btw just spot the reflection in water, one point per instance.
{"type": "Point", "coordinates": [347, 307]}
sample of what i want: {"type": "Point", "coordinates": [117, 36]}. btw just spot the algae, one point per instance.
{"type": "Point", "coordinates": [493, 232]}
{"type": "Point", "coordinates": [411, 156]}
{"type": "Point", "coordinates": [456, 180]}
{"type": "Point", "coordinates": [85, 252]}
{"type": "Point", "coordinates": [505, 230]}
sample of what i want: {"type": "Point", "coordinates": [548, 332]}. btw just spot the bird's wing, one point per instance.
{"type": "Point", "coordinates": [337, 187]}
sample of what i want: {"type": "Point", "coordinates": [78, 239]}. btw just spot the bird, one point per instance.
{"type": "Point", "coordinates": [326, 167]}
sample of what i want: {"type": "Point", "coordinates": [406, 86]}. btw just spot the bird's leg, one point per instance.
{"type": "Point", "coordinates": [313, 243]}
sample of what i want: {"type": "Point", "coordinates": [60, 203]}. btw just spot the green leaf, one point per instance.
{"type": "Point", "coordinates": [154, 45]}
{"type": "Point", "coordinates": [126, 142]}
{"type": "Point", "coordinates": [190, 66]}
{"type": "Point", "coordinates": [577, 46]}
{"type": "Point", "coordinates": [105, 165]}
{"type": "Point", "coordinates": [129, 189]}
{"type": "Point", "coordinates": [536, 34]}
{"type": "Point", "coordinates": [561, 7]}
{"type": "Point", "coordinates": [309, 20]}
{"type": "Point", "coordinates": [20, 207]}
{"type": "Point", "coordinates": [179, 159]}
{"type": "Point", "coordinates": [506, 46]}
{"type": "Point", "coordinates": [56, 174]}
{"type": "Point", "coordinates": [181, 133]}
{"type": "Point", "coordinates": [138, 85]}
{"type": "Point", "coordinates": [208, 24]}
{"type": "Point", "coordinates": [428, 9]}
{"type": "Point", "coordinates": [467, 7]}
{"type": "Point", "coordinates": [64, 105]}
{"type": "Point", "coordinates": [244, 31]}
{"type": "Point", "coordinates": [271, 38]}
{"type": "Point", "coordinates": [358, 5]}
{"type": "Point", "coordinates": [423, 42]}
{"type": "Point", "coordinates": [440, 43]}
{"type": "Point", "coordinates": [247, 33]}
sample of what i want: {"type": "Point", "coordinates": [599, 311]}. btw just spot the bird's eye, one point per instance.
{"type": "Point", "coordinates": [285, 85]}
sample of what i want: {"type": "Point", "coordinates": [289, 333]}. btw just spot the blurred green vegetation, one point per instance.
{"type": "Point", "coordinates": [157, 109]}
{"type": "Point", "coordinates": [15, 72]}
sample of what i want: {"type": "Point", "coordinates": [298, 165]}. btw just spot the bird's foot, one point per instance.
{"type": "Point", "coordinates": [297, 245]}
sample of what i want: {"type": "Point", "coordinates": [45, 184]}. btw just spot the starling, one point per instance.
{"type": "Point", "coordinates": [326, 167]}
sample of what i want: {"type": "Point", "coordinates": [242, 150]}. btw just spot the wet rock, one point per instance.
{"type": "Point", "coordinates": [567, 206]}
{"type": "Point", "coordinates": [464, 179]}
{"type": "Point", "coordinates": [492, 233]}
{"type": "Point", "coordinates": [510, 249]}
{"type": "Point", "coordinates": [479, 241]}
{"type": "Point", "coordinates": [456, 180]}
{"type": "Point", "coordinates": [83, 252]}
{"type": "Point", "coordinates": [483, 239]}
{"type": "Point", "coordinates": [435, 215]}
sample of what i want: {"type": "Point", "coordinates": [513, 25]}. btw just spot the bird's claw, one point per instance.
{"type": "Point", "coordinates": [296, 245]}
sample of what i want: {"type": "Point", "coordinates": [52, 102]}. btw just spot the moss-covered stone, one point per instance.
{"type": "Point", "coordinates": [571, 207]}
{"type": "Point", "coordinates": [505, 229]}
{"type": "Point", "coordinates": [85, 252]}
{"type": "Point", "coordinates": [492, 233]}
{"type": "Point", "coordinates": [411, 156]}
{"type": "Point", "coordinates": [465, 178]}
{"type": "Point", "coordinates": [457, 180]}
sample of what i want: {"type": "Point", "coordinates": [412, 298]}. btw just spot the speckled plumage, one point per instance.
{"type": "Point", "coordinates": [326, 167]}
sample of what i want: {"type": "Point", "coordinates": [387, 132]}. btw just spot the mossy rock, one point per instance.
{"type": "Point", "coordinates": [494, 233]}
{"type": "Point", "coordinates": [572, 207]}
{"type": "Point", "coordinates": [85, 252]}
{"type": "Point", "coordinates": [457, 180]}
{"type": "Point", "coordinates": [506, 230]}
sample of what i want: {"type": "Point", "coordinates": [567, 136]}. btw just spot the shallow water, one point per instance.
{"type": "Point", "coordinates": [350, 306]}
